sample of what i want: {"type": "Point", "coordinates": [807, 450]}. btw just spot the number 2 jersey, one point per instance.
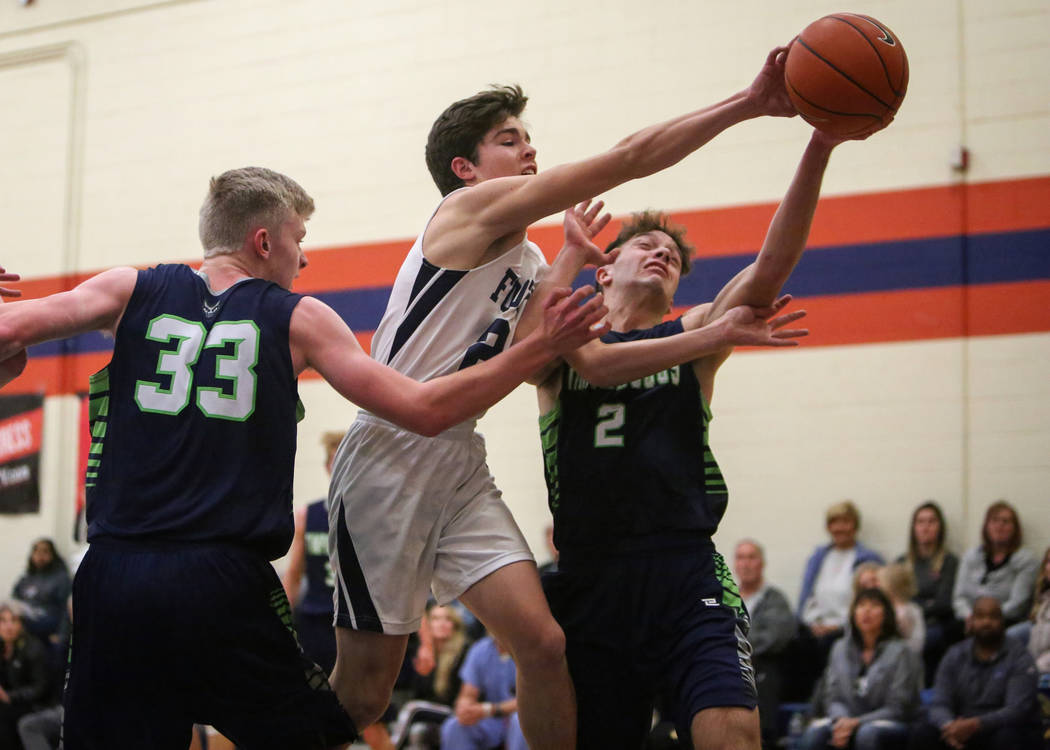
{"type": "Point", "coordinates": [193, 421]}
{"type": "Point", "coordinates": [626, 466]}
{"type": "Point", "coordinates": [439, 320]}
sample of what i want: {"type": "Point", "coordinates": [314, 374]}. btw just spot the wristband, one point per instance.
{"type": "Point", "coordinates": [497, 710]}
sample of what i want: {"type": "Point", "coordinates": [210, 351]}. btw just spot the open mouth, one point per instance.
{"type": "Point", "coordinates": [529, 170]}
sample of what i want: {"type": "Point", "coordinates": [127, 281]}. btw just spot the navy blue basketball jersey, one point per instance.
{"type": "Point", "coordinates": [320, 583]}
{"type": "Point", "coordinates": [633, 461]}
{"type": "Point", "coordinates": [193, 421]}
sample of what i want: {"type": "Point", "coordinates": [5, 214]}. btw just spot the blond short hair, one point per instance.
{"type": "Point", "coordinates": [331, 440]}
{"type": "Point", "coordinates": [899, 581]}
{"type": "Point", "coordinates": [845, 509]}
{"type": "Point", "coordinates": [242, 198]}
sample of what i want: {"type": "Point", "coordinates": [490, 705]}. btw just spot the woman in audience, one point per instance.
{"type": "Point", "coordinates": [870, 686]}
{"type": "Point", "coordinates": [999, 567]}
{"type": "Point", "coordinates": [23, 673]}
{"type": "Point", "coordinates": [827, 588]}
{"type": "Point", "coordinates": [1039, 639]}
{"type": "Point", "coordinates": [935, 569]}
{"type": "Point", "coordinates": [42, 590]}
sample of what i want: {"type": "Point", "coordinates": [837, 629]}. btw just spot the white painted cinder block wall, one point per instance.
{"type": "Point", "coordinates": [116, 112]}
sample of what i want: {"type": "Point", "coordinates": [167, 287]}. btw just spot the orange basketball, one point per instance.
{"type": "Point", "coordinates": [847, 74]}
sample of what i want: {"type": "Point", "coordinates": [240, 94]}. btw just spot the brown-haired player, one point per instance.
{"type": "Point", "coordinates": [648, 606]}
{"type": "Point", "coordinates": [408, 514]}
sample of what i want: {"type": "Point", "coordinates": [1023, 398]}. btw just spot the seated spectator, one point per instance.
{"type": "Point", "coordinates": [935, 570]}
{"type": "Point", "coordinates": [870, 686]}
{"type": "Point", "coordinates": [1039, 638]}
{"type": "Point", "coordinates": [984, 693]}
{"type": "Point", "coordinates": [827, 588]}
{"type": "Point", "coordinates": [773, 626]}
{"type": "Point", "coordinates": [42, 591]}
{"type": "Point", "coordinates": [23, 673]}
{"type": "Point", "coordinates": [449, 639]}
{"type": "Point", "coordinates": [486, 710]}
{"type": "Point", "coordinates": [898, 582]}
{"type": "Point", "coordinates": [866, 576]}
{"type": "Point", "coordinates": [999, 567]}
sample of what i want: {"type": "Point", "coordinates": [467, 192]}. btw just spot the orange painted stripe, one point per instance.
{"type": "Point", "coordinates": [1003, 206]}
{"type": "Point", "coordinates": [999, 309]}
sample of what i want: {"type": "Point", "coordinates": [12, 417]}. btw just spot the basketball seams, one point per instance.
{"type": "Point", "coordinates": [844, 74]}
{"type": "Point", "coordinates": [874, 117]}
{"type": "Point", "coordinates": [885, 69]}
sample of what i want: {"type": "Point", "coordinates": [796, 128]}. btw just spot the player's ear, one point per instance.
{"type": "Point", "coordinates": [603, 275]}
{"type": "Point", "coordinates": [463, 168]}
{"type": "Point", "coordinates": [261, 242]}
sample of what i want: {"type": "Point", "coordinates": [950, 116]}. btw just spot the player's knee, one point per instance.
{"type": "Point", "coordinates": [543, 647]}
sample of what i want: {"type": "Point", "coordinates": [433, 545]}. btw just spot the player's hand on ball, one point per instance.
{"type": "Point", "coordinates": [768, 92]}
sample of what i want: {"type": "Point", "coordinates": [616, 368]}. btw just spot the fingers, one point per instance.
{"type": "Point", "coordinates": [782, 302]}
{"type": "Point", "coordinates": [783, 320]}
{"type": "Point", "coordinates": [8, 291]}
{"type": "Point", "coordinates": [600, 224]}
{"type": "Point", "coordinates": [556, 296]}
{"type": "Point", "coordinates": [590, 213]}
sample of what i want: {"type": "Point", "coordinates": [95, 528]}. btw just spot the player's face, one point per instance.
{"type": "Point", "coordinates": [748, 565]}
{"type": "Point", "coordinates": [505, 151]}
{"type": "Point", "coordinates": [651, 259]}
{"type": "Point", "coordinates": [286, 252]}
{"type": "Point", "coordinates": [927, 526]}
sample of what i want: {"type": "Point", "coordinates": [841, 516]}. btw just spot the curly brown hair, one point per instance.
{"type": "Point", "coordinates": [461, 127]}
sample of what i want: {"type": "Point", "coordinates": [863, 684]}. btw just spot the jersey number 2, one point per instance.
{"type": "Point", "coordinates": [179, 364]}
{"type": "Point", "coordinates": [611, 418]}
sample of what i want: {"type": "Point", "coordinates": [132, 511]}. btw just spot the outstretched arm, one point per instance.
{"type": "Point", "coordinates": [498, 207]}
{"type": "Point", "coordinates": [320, 339]}
{"type": "Point", "coordinates": [95, 305]}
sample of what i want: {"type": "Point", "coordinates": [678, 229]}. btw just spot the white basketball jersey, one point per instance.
{"type": "Point", "coordinates": [438, 320]}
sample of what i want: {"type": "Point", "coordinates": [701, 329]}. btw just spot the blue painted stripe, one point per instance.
{"type": "Point", "coordinates": [844, 269]}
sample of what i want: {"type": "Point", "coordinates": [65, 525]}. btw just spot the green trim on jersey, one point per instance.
{"type": "Point", "coordinates": [98, 414]}
{"type": "Point", "coordinates": [550, 423]}
{"type": "Point", "coordinates": [730, 592]}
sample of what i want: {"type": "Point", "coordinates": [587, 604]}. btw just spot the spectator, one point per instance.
{"type": "Point", "coordinates": [867, 576]}
{"type": "Point", "coordinates": [1039, 639]}
{"type": "Point", "coordinates": [898, 582]}
{"type": "Point", "coordinates": [43, 591]}
{"type": "Point", "coordinates": [935, 569]}
{"type": "Point", "coordinates": [486, 714]}
{"type": "Point", "coordinates": [984, 693]}
{"type": "Point", "coordinates": [773, 626]}
{"type": "Point", "coordinates": [827, 588]}
{"type": "Point", "coordinates": [999, 567]}
{"type": "Point", "coordinates": [449, 637]}
{"type": "Point", "coordinates": [871, 683]}
{"type": "Point", "coordinates": [23, 673]}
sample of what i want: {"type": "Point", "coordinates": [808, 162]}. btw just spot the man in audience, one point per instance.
{"type": "Point", "coordinates": [985, 691]}
{"type": "Point", "coordinates": [773, 626]}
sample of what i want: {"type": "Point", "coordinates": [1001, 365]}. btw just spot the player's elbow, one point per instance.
{"type": "Point", "coordinates": [12, 339]}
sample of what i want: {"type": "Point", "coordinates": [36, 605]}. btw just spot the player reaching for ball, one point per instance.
{"type": "Point", "coordinates": [408, 513]}
{"type": "Point", "coordinates": [180, 617]}
{"type": "Point", "coordinates": [648, 607]}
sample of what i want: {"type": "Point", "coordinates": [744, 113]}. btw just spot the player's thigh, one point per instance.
{"type": "Point", "coordinates": [726, 728]}
{"type": "Point", "coordinates": [258, 688]}
{"type": "Point", "coordinates": [510, 603]}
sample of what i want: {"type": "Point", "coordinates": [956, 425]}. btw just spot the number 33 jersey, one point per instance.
{"type": "Point", "coordinates": [633, 461]}
{"type": "Point", "coordinates": [193, 421]}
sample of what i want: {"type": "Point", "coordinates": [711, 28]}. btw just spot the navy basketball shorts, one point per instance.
{"type": "Point", "coordinates": [665, 625]}
{"type": "Point", "coordinates": [168, 636]}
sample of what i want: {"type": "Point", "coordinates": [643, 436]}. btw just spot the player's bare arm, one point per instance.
{"type": "Point", "coordinates": [470, 223]}
{"type": "Point", "coordinates": [320, 339]}
{"type": "Point", "coordinates": [94, 305]}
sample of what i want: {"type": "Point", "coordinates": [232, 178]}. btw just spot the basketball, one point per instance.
{"type": "Point", "coordinates": [847, 74]}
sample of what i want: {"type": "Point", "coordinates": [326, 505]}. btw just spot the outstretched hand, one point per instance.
{"type": "Point", "coordinates": [6, 291]}
{"type": "Point", "coordinates": [570, 319]}
{"type": "Point", "coordinates": [13, 366]}
{"type": "Point", "coordinates": [756, 326]}
{"type": "Point", "coordinates": [582, 223]}
{"type": "Point", "coordinates": [768, 92]}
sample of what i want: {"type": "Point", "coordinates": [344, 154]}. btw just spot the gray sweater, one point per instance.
{"type": "Point", "coordinates": [773, 624]}
{"type": "Point", "coordinates": [888, 690]}
{"type": "Point", "coordinates": [1012, 583]}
